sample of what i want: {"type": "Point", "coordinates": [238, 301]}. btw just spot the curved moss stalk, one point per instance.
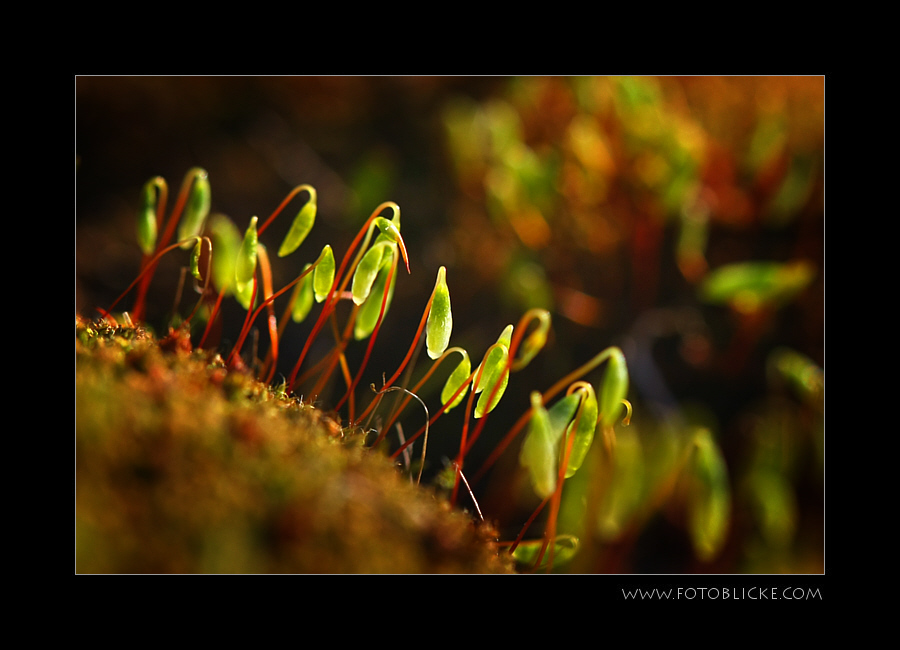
{"type": "Point", "coordinates": [448, 404]}
{"type": "Point", "coordinates": [309, 189]}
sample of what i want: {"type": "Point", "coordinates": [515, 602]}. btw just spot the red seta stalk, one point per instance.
{"type": "Point", "coordinates": [150, 268]}
{"type": "Point", "coordinates": [372, 337]}
{"type": "Point", "coordinates": [340, 283]}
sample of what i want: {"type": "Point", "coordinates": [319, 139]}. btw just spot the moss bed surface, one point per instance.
{"type": "Point", "coordinates": [183, 466]}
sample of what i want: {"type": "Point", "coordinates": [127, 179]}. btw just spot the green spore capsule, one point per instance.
{"type": "Point", "coordinates": [455, 380]}
{"type": "Point", "coordinates": [390, 230]}
{"type": "Point", "coordinates": [367, 317]}
{"type": "Point", "coordinates": [226, 241]}
{"type": "Point", "coordinates": [367, 271]}
{"type": "Point", "coordinates": [494, 373]}
{"type": "Point", "coordinates": [440, 318]}
{"type": "Point", "coordinates": [536, 340]}
{"type": "Point", "coordinates": [304, 300]}
{"type": "Point", "coordinates": [301, 227]}
{"type": "Point", "coordinates": [323, 276]}
{"type": "Point", "coordinates": [197, 208]}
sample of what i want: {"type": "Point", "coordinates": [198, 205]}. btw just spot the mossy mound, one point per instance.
{"type": "Point", "coordinates": [183, 466]}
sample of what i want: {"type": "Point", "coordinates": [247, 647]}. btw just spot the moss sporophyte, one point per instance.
{"type": "Point", "coordinates": [225, 263]}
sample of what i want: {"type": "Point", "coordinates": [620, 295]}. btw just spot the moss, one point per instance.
{"type": "Point", "coordinates": [183, 466]}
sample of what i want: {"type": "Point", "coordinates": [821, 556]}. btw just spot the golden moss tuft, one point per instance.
{"type": "Point", "coordinates": [184, 467]}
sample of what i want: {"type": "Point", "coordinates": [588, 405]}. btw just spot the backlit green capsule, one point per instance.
{"type": "Point", "coordinates": [366, 272]}
{"type": "Point", "coordinates": [536, 340]}
{"type": "Point", "coordinates": [455, 380]}
{"type": "Point", "coordinates": [614, 389]}
{"type": "Point", "coordinates": [146, 225]}
{"type": "Point", "coordinates": [367, 316]}
{"type": "Point", "coordinates": [440, 319]}
{"type": "Point", "coordinates": [243, 293]}
{"type": "Point", "coordinates": [304, 301]}
{"type": "Point", "coordinates": [323, 276]}
{"type": "Point", "coordinates": [245, 265]}
{"type": "Point", "coordinates": [495, 373]}
{"type": "Point", "coordinates": [389, 229]}
{"type": "Point", "coordinates": [303, 224]}
{"type": "Point", "coordinates": [197, 208]}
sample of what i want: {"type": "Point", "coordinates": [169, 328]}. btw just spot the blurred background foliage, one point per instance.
{"type": "Point", "coordinates": [681, 218]}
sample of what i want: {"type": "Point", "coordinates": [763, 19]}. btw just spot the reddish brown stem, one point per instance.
{"type": "Point", "coordinates": [248, 320]}
{"type": "Point", "coordinates": [342, 341]}
{"type": "Point", "coordinates": [433, 418]}
{"type": "Point", "coordinates": [406, 359]}
{"type": "Point", "coordinates": [212, 316]}
{"type": "Point", "coordinates": [147, 269]}
{"type": "Point", "coordinates": [406, 401]}
{"type": "Point", "coordinates": [266, 270]}
{"type": "Point", "coordinates": [372, 337]}
{"type": "Point", "coordinates": [294, 192]}
{"type": "Point", "coordinates": [166, 236]}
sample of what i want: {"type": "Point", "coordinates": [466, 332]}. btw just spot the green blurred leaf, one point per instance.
{"type": "Point", "coordinates": [748, 286]}
{"type": "Point", "coordinates": [710, 506]}
{"type": "Point", "coordinates": [146, 225]}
